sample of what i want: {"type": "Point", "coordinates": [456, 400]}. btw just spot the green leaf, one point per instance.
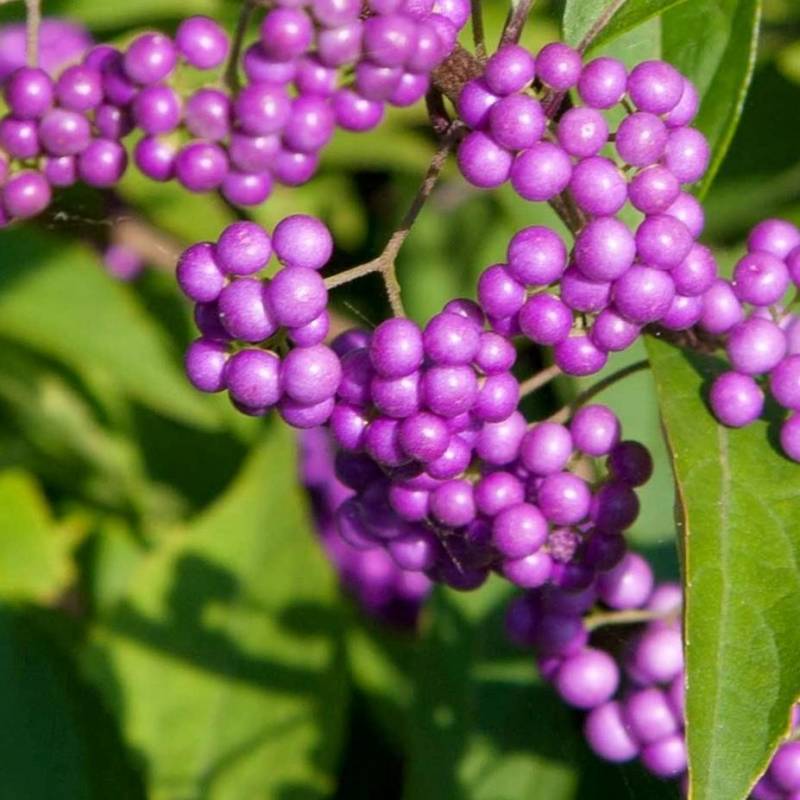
{"type": "Point", "coordinates": [34, 553]}
{"type": "Point", "coordinates": [714, 43]}
{"type": "Point", "coordinates": [740, 503]}
{"type": "Point", "coordinates": [589, 21]}
{"type": "Point", "coordinates": [56, 299]}
{"type": "Point", "coordinates": [484, 727]}
{"type": "Point", "coordinates": [223, 662]}
{"type": "Point", "coordinates": [55, 742]}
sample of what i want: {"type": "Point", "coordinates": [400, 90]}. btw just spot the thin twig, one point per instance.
{"type": "Point", "coordinates": [538, 380]}
{"type": "Point", "coordinates": [599, 24]}
{"type": "Point", "coordinates": [478, 35]}
{"type": "Point", "coordinates": [515, 22]}
{"type": "Point", "coordinates": [584, 397]}
{"type": "Point", "coordinates": [231, 75]}
{"type": "Point", "coordinates": [601, 619]}
{"type": "Point", "coordinates": [385, 262]}
{"type": "Point", "coordinates": [33, 18]}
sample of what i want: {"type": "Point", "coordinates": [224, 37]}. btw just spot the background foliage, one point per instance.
{"type": "Point", "coordinates": [168, 626]}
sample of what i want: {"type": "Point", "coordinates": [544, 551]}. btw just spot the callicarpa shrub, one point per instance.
{"type": "Point", "coordinates": [473, 447]}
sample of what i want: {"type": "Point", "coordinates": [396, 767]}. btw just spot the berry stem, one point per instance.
{"type": "Point", "coordinates": [538, 380]}
{"type": "Point", "coordinates": [385, 263]}
{"type": "Point", "coordinates": [33, 18]}
{"type": "Point", "coordinates": [599, 24]}
{"type": "Point", "coordinates": [584, 397]}
{"type": "Point", "coordinates": [231, 74]}
{"type": "Point", "coordinates": [478, 34]}
{"type": "Point", "coordinates": [601, 619]}
{"type": "Point", "coordinates": [515, 22]}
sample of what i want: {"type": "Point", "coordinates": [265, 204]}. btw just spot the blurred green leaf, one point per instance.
{"type": "Point", "coordinates": [740, 502]}
{"type": "Point", "coordinates": [104, 14]}
{"type": "Point", "coordinates": [35, 564]}
{"type": "Point", "coordinates": [223, 662]}
{"type": "Point", "coordinates": [484, 726]}
{"type": "Point", "coordinates": [714, 43]}
{"type": "Point", "coordinates": [55, 742]}
{"type": "Point", "coordinates": [380, 661]}
{"type": "Point", "coordinates": [55, 299]}
{"type": "Point", "coordinates": [590, 18]}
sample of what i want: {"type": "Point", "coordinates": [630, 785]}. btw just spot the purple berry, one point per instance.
{"type": "Point", "coordinates": [253, 378]}
{"type": "Point", "coordinates": [25, 194]}
{"type": "Point", "coordinates": [587, 679]}
{"type": "Point", "coordinates": [790, 437]}
{"type": "Point", "coordinates": [544, 319]}
{"type": "Point", "coordinates": [775, 236]}
{"type": "Point", "coordinates": [536, 256]}
{"type": "Point", "coordinates": [595, 430]}
{"type": "Point", "coordinates": [784, 382]}
{"type": "Point", "coordinates": [150, 58]}
{"type": "Point", "coordinates": [628, 585]}
{"type": "Point", "coordinates": [687, 154]}
{"type": "Point", "coordinates": [207, 114]}
{"type": "Point", "coordinates": [297, 295]}
{"type": "Point", "coordinates": [756, 346]}
{"type": "Point", "coordinates": [516, 122]}
{"type": "Point", "coordinates": [540, 172]}
{"type": "Point", "coordinates": [649, 716]}
{"type": "Point", "coordinates": [563, 498]}
{"type": "Point", "coordinates": [201, 166]}
{"type": "Point", "coordinates": [509, 70]}
{"type": "Point", "coordinates": [602, 82]}
{"type": "Point", "coordinates": [643, 294]}
{"type": "Point", "coordinates": [654, 190]}
{"type": "Point", "coordinates": [483, 162]}
{"type": "Point", "coordinates": [606, 732]}
{"type": "Point", "coordinates": [28, 92]}
{"type": "Point", "coordinates": [760, 278]}
{"type": "Point", "coordinates": [582, 132]}
{"type": "Point", "coordinates": [546, 448]}
{"type": "Point", "coordinates": [205, 364]}
{"type": "Point", "coordinates": [243, 248]}
{"type": "Point", "coordinates": [655, 86]}
{"type": "Point", "coordinates": [641, 139]}
{"type": "Point", "coordinates": [453, 504]}
{"type": "Point", "coordinates": [286, 33]}
{"type": "Point", "coordinates": [475, 103]}
{"type": "Point", "coordinates": [451, 339]}
{"type": "Point", "coordinates": [578, 355]}
{"type": "Point", "coordinates": [79, 88]}
{"type": "Point", "coordinates": [311, 375]}
{"type": "Point", "coordinates": [199, 274]}
{"type": "Point", "coordinates": [262, 108]}
{"type": "Point", "coordinates": [244, 312]}
{"type": "Point", "coordinates": [558, 66]}
{"type": "Point", "coordinates": [202, 42]}
{"type": "Point", "coordinates": [604, 249]}
{"type": "Point", "coordinates": [396, 348]}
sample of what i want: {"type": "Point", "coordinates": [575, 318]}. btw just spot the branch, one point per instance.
{"type": "Point", "coordinates": [584, 397]}
{"type": "Point", "coordinates": [515, 22]}
{"type": "Point", "coordinates": [231, 75]}
{"type": "Point", "coordinates": [538, 380]}
{"type": "Point", "coordinates": [599, 24]}
{"type": "Point", "coordinates": [385, 262]}
{"type": "Point", "coordinates": [33, 18]}
{"type": "Point", "coordinates": [633, 617]}
{"type": "Point", "coordinates": [478, 35]}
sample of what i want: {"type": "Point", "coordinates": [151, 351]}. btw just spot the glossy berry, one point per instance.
{"type": "Point", "coordinates": [202, 42]}
{"type": "Point", "coordinates": [587, 679]}
{"type": "Point", "coordinates": [509, 70]}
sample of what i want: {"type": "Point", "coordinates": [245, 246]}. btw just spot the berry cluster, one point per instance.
{"type": "Point", "coordinates": [596, 299]}
{"type": "Point", "coordinates": [448, 475]}
{"type": "Point", "coordinates": [762, 338]}
{"type": "Point", "coordinates": [262, 338]}
{"type": "Point", "coordinates": [632, 683]}
{"type": "Point", "coordinates": [382, 589]}
{"type": "Point", "coordinates": [331, 63]}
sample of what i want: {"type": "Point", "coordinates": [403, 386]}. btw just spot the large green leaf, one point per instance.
{"type": "Point", "coordinates": [740, 506]}
{"type": "Point", "coordinates": [223, 660]}
{"type": "Point", "coordinates": [584, 18]}
{"type": "Point", "coordinates": [714, 43]}
{"type": "Point", "coordinates": [34, 558]}
{"type": "Point", "coordinates": [484, 727]}
{"type": "Point", "coordinates": [56, 299]}
{"type": "Point", "coordinates": [55, 742]}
